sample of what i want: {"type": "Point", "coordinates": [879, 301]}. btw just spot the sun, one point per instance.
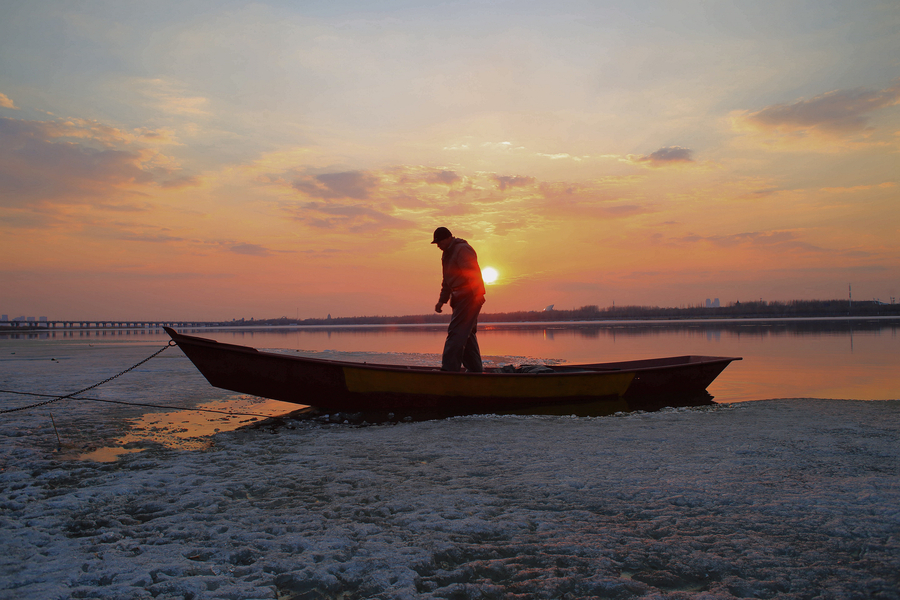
{"type": "Point", "coordinates": [489, 274]}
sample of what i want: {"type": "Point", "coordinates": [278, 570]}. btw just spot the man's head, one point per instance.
{"type": "Point", "coordinates": [442, 237]}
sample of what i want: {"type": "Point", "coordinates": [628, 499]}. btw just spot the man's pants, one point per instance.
{"type": "Point", "coordinates": [461, 347]}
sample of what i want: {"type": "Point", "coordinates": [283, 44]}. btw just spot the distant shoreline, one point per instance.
{"type": "Point", "coordinates": [738, 311]}
{"type": "Point", "coordinates": [196, 326]}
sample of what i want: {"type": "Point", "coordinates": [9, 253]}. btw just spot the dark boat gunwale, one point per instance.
{"type": "Point", "coordinates": [644, 364]}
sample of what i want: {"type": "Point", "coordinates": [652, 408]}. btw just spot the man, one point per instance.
{"type": "Point", "coordinates": [463, 287]}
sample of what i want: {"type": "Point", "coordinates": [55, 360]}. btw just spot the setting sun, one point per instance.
{"type": "Point", "coordinates": [489, 274]}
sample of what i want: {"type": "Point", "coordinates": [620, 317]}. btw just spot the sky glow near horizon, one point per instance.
{"type": "Point", "coordinates": [218, 160]}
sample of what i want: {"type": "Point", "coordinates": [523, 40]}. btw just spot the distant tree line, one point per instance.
{"type": "Point", "coordinates": [592, 312]}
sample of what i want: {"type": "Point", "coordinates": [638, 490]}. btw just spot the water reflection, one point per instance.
{"type": "Point", "coordinates": [790, 358]}
{"type": "Point", "coordinates": [712, 329]}
{"type": "Point", "coordinates": [589, 329]}
{"type": "Point", "coordinates": [840, 359]}
{"type": "Point", "coordinates": [837, 358]}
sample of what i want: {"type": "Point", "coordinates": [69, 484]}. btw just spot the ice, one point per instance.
{"type": "Point", "coordinates": [774, 499]}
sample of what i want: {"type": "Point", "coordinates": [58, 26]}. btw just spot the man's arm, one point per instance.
{"type": "Point", "coordinates": [446, 288]}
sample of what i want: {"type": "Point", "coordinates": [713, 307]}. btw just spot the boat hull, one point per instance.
{"type": "Point", "coordinates": [360, 387]}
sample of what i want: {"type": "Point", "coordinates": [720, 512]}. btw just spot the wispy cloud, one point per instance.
{"type": "Point", "coordinates": [5, 102]}
{"type": "Point", "coordinates": [157, 238]}
{"type": "Point", "coordinates": [566, 200]}
{"type": "Point", "coordinates": [174, 99]}
{"type": "Point", "coordinates": [403, 197]}
{"type": "Point", "coordinates": [443, 176]}
{"type": "Point", "coordinates": [249, 249]}
{"type": "Point", "coordinates": [179, 182]}
{"type": "Point", "coordinates": [36, 166]}
{"type": "Point", "coordinates": [126, 207]}
{"type": "Point", "coordinates": [506, 181]}
{"type": "Point", "coordinates": [780, 241]}
{"type": "Point", "coordinates": [860, 188]}
{"type": "Point", "coordinates": [839, 115]}
{"type": "Point", "coordinates": [501, 146]}
{"type": "Point", "coordinates": [663, 157]}
{"type": "Point", "coordinates": [352, 218]}
{"type": "Point", "coordinates": [349, 184]}
{"type": "Point", "coordinates": [561, 156]}
{"type": "Point", "coordinates": [838, 111]}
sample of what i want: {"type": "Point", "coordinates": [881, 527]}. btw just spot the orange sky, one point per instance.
{"type": "Point", "coordinates": [219, 160]}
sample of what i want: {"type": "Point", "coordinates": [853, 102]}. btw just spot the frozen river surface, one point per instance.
{"type": "Point", "coordinates": [771, 499]}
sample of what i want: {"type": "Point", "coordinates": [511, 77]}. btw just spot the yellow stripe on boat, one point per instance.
{"type": "Point", "coordinates": [503, 386]}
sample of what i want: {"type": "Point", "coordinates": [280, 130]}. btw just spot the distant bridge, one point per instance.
{"type": "Point", "coordinates": [101, 325]}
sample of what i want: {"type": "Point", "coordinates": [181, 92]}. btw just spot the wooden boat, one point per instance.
{"type": "Point", "coordinates": [349, 387]}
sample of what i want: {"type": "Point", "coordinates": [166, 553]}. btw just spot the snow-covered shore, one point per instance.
{"type": "Point", "coordinates": [772, 499]}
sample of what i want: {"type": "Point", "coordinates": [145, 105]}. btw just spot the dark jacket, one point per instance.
{"type": "Point", "coordinates": [462, 275]}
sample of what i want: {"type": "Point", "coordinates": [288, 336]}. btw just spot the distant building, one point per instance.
{"type": "Point", "coordinates": [549, 308]}
{"type": "Point", "coordinates": [712, 304]}
{"type": "Point", "coordinates": [42, 319]}
{"type": "Point", "coordinates": [5, 318]}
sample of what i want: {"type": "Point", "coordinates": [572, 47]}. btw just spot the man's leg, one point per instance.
{"type": "Point", "coordinates": [471, 358]}
{"type": "Point", "coordinates": [461, 328]}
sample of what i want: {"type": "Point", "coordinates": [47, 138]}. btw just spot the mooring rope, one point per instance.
{"type": "Point", "coordinates": [96, 385]}
{"type": "Point", "coordinates": [141, 404]}
{"type": "Point", "coordinates": [72, 396]}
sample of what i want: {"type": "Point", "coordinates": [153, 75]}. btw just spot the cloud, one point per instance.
{"type": "Point", "coordinates": [39, 162]}
{"type": "Point", "coordinates": [503, 228]}
{"type": "Point", "coordinates": [78, 161]}
{"type": "Point", "coordinates": [98, 134]}
{"type": "Point", "coordinates": [402, 200]}
{"type": "Point", "coordinates": [249, 249]}
{"type": "Point", "coordinates": [830, 122]}
{"type": "Point", "coordinates": [859, 188]}
{"type": "Point", "coordinates": [505, 181]}
{"type": "Point", "coordinates": [157, 137]}
{"type": "Point", "coordinates": [560, 156]}
{"type": "Point", "coordinates": [780, 241]}
{"type": "Point", "coordinates": [170, 98]}
{"type": "Point", "coordinates": [159, 238]}
{"type": "Point", "coordinates": [584, 202]}
{"type": "Point", "coordinates": [458, 209]}
{"type": "Point", "coordinates": [349, 184]}
{"type": "Point", "coordinates": [445, 177]}
{"type": "Point", "coordinates": [129, 207]}
{"type": "Point", "coordinates": [5, 102]}
{"type": "Point", "coordinates": [180, 182]}
{"type": "Point", "coordinates": [503, 146]}
{"type": "Point", "coordinates": [663, 157]}
{"type": "Point", "coordinates": [352, 218]}
{"type": "Point", "coordinates": [838, 111]}
{"type": "Point", "coordinates": [362, 201]}
{"type": "Point", "coordinates": [397, 198]}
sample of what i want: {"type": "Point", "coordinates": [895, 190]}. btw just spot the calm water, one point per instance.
{"type": "Point", "coordinates": [788, 359]}
{"type": "Point", "coordinates": [840, 359]}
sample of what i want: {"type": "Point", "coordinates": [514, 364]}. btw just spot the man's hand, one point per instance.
{"type": "Point", "coordinates": [437, 307]}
